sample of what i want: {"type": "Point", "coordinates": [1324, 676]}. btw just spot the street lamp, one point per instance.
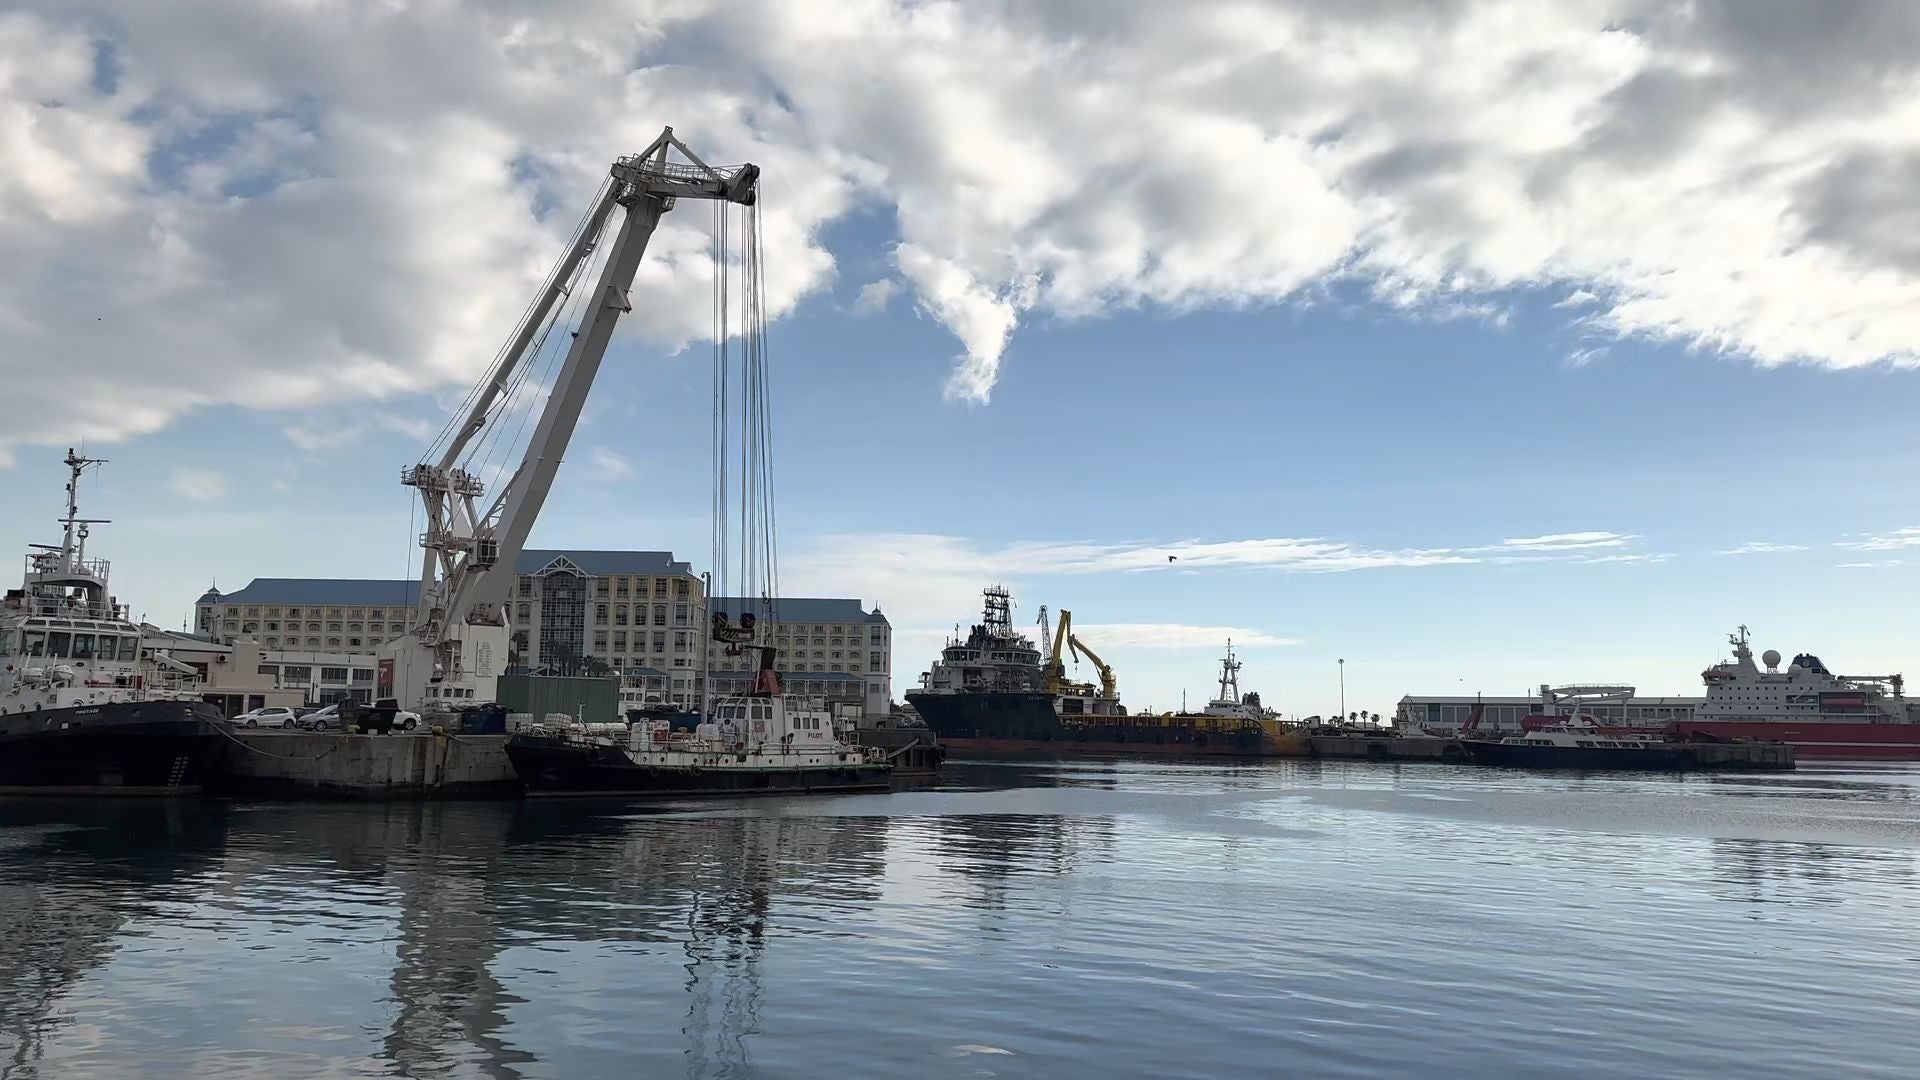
{"type": "Point", "coordinates": [1343, 688]}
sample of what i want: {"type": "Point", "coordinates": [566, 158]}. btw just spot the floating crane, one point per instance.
{"type": "Point", "coordinates": [458, 645]}
{"type": "Point", "coordinates": [1064, 640]}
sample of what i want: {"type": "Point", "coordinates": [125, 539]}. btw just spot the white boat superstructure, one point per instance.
{"type": "Point", "coordinates": [1738, 690]}
{"type": "Point", "coordinates": [1229, 703]}
{"type": "Point", "coordinates": [65, 641]}
{"type": "Point", "coordinates": [746, 732]}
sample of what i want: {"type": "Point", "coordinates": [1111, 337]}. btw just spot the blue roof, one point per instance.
{"type": "Point", "coordinates": [602, 563]}
{"type": "Point", "coordinates": [367, 592]}
{"type": "Point", "coordinates": [803, 609]}
{"type": "Point", "coordinates": [376, 592]}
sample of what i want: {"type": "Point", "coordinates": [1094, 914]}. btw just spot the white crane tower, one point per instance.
{"type": "Point", "coordinates": [456, 650]}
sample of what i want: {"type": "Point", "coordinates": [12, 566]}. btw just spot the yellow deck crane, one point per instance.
{"type": "Point", "coordinates": [1064, 640]}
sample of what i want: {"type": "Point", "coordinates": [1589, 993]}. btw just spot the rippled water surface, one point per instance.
{"type": "Point", "coordinates": [1090, 919]}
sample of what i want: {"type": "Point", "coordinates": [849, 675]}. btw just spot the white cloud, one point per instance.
{"type": "Point", "coordinates": [1583, 357]}
{"type": "Point", "coordinates": [1761, 547]}
{"type": "Point", "coordinates": [604, 464]}
{"type": "Point", "coordinates": [200, 485]}
{"type": "Point", "coordinates": [1866, 565]}
{"type": "Point", "coordinates": [1566, 541]}
{"type": "Point", "coordinates": [875, 296]}
{"type": "Point", "coordinates": [1577, 298]}
{"type": "Point", "coordinates": [1888, 541]}
{"type": "Point", "coordinates": [296, 204]}
{"type": "Point", "coordinates": [1173, 636]}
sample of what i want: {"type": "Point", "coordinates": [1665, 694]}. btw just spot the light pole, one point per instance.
{"type": "Point", "coordinates": [1343, 688]}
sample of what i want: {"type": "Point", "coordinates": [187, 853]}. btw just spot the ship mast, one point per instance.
{"type": "Point", "coordinates": [1230, 676]}
{"type": "Point", "coordinates": [73, 543]}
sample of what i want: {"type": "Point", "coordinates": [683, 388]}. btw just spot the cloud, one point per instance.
{"type": "Point", "coordinates": [1866, 565]}
{"type": "Point", "coordinates": [1583, 357]}
{"type": "Point", "coordinates": [875, 296]}
{"type": "Point", "coordinates": [1761, 547]}
{"type": "Point", "coordinates": [1572, 541]}
{"type": "Point", "coordinates": [291, 205]}
{"type": "Point", "coordinates": [1889, 541]}
{"type": "Point", "coordinates": [200, 485]}
{"type": "Point", "coordinates": [604, 464]}
{"type": "Point", "coordinates": [1577, 298]}
{"type": "Point", "coordinates": [1173, 636]}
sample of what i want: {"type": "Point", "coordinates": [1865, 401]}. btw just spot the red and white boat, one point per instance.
{"type": "Point", "coordinates": [1823, 715]}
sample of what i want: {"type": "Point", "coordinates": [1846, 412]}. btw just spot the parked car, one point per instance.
{"type": "Point", "coordinates": [403, 719]}
{"type": "Point", "coordinates": [322, 719]}
{"type": "Point", "coordinates": [267, 716]}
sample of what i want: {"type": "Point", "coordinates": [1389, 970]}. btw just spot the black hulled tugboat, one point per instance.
{"type": "Point", "coordinates": [76, 717]}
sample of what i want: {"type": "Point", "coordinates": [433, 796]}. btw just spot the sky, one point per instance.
{"type": "Point", "coordinates": [1477, 344]}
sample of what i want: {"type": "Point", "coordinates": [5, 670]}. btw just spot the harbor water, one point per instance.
{"type": "Point", "coordinates": [1297, 918]}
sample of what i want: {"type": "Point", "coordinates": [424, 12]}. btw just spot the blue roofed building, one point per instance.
{"type": "Point", "coordinates": [640, 611]}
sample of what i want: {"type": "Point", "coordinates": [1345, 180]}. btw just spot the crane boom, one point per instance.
{"type": "Point", "coordinates": [1108, 684]}
{"type": "Point", "coordinates": [459, 639]}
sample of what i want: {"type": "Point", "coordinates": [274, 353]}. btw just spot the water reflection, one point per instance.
{"type": "Point", "coordinates": [73, 877]}
{"type": "Point", "coordinates": [1065, 913]}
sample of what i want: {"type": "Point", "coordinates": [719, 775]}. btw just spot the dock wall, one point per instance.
{"type": "Point", "coordinates": [334, 765]}
{"type": "Point", "coordinates": [1387, 748]}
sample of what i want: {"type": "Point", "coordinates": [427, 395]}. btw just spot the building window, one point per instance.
{"type": "Point", "coordinates": [354, 613]}
{"type": "Point", "coordinates": [620, 640]}
{"type": "Point", "coordinates": [620, 615]}
{"type": "Point", "coordinates": [297, 674]}
{"type": "Point", "coordinates": [362, 674]}
{"type": "Point", "coordinates": [273, 643]}
{"type": "Point", "coordinates": [268, 669]}
{"type": "Point", "coordinates": [313, 627]}
{"type": "Point", "coordinates": [601, 588]}
{"type": "Point", "coordinates": [334, 627]}
{"type": "Point", "coordinates": [600, 614]}
{"type": "Point", "coordinates": [600, 642]}
{"type": "Point", "coordinates": [353, 643]}
{"type": "Point", "coordinates": [333, 643]}
{"type": "Point", "coordinates": [679, 614]}
{"type": "Point", "coordinates": [333, 613]}
{"type": "Point", "coordinates": [333, 674]}
{"type": "Point", "coordinates": [313, 643]}
{"type": "Point", "coordinates": [659, 614]}
{"type": "Point", "coordinates": [876, 636]}
{"type": "Point", "coordinates": [679, 642]}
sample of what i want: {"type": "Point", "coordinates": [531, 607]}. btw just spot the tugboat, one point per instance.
{"type": "Point", "coordinates": [763, 743]}
{"type": "Point", "coordinates": [76, 717]}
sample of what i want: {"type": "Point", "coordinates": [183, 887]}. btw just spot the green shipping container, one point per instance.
{"type": "Point", "coordinates": [595, 700]}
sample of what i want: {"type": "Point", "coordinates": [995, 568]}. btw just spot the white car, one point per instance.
{"type": "Point", "coordinates": [322, 719]}
{"type": "Point", "coordinates": [269, 716]}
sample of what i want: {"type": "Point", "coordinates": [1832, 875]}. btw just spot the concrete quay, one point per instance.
{"type": "Point", "coordinates": [1387, 747]}
{"type": "Point", "coordinates": [334, 765]}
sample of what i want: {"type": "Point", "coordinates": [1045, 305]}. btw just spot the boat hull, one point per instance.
{"type": "Point", "coordinates": [163, 748]}
{"type": "Point", "coordinates": [1818, 740]}
{"type": "Point", "coordinates": [1671, 757]}
{"type": "Point", "coordinates": [561, 767]}
{"type": "Point", "coordinates": [1025, 724]}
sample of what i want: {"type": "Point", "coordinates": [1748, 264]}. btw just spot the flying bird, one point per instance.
{"type": "Point", "coordinates": [1170, 558]}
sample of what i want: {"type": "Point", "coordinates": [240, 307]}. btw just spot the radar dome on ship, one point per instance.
{"type": "Point", "coordinates": [1771, 658]}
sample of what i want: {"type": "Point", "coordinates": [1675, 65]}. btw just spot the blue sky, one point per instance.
{"type": "Point", "coordinates": [1418, 349]}
{"type": "Point", "coordinates": [1337, 421]}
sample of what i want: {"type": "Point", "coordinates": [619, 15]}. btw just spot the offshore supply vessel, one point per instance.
{"type": "Point", "coordinates": [993, 691]}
